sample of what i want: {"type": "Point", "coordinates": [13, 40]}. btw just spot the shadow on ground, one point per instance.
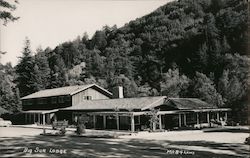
{"type": "Point", "coordinates": [231, 130]}
{"type": "Point", "coordinates": [97, 147]}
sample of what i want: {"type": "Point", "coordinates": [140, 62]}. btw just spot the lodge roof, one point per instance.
{"type": "Point", "coordinates": [124, 103]}
{"type": "Point", "coordinates": [188, 103]}
{"type": "Point", "coordinates": [142, 103]}
{"type": "Point", "coordinates": [69, 90]}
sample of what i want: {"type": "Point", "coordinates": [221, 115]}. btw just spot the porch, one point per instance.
{"type": "Point", "coordinates": [40, 117]}
{"type": "Point", "coordinates": [137, 121]}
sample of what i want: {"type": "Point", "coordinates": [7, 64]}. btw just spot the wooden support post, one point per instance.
{"type": "Point", "coordinates": [197, 117]}
{"type": "Point", "coordinates": [34, 118]}
{"type": "Point", "coordinates": [94, 121]}
{"type": "Point", "coordinates": [117, 122]}
{"type": "Point", "coordinates": [185, 119]}
{"type": "Point", "coordinates": [72, 117]}
{"type": "Point", "coordinates": [39, 118]}
{"type": "Point", "coordinates": [208, 119]}
{"type": "Point", "coordinates": [179, 120]}
{"type": "Point", "coordinates": [30, 118]}
{"type": "Point", "coordinates": [104, 122]}
{"type": "Point", "coordinates": [160, 123]}
{"type": "Point", "coordinates": [218, 116]}
{"type": "Point", "coordinates": [43, 119]}
{"type": "Point", "coordinates": [225, 116]}
{"type": "Point", "coordinates": [154, 126]}
{"type": "Point", "coordinates": [47, 118]}
{"type": "Point", "coordinates": [132, 123]}
{"type": "Point", "coordinates": [25, 115]}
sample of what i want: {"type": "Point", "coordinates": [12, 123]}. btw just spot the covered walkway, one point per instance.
{"type": "Point", "coordinates": [136, 114]}
{"type": "Point", "coordinates": [39, 116]}
{"type": "Point", "coordinates": [132, 119]}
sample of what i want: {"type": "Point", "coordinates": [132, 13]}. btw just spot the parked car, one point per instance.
{"type": "Point", "coordinates": [5, 123]}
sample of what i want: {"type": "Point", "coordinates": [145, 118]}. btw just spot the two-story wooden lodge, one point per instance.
{"type": "Point", "coordinates": [107, 111]}
{"type": "Point", "coordinates": [41, 106]}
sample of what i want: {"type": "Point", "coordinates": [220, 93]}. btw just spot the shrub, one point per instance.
{"type": "Point", "coordinates": [80, 128]}
{"type": "Point", "coordinates": [62, 131]}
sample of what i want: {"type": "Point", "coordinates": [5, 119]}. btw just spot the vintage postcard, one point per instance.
{"type": "Point", "coordinates": [124, 78]}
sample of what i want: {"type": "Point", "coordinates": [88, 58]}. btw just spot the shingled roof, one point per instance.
{"type": "Point", "coordinates": [188, 103]}
{"type": "Point", "coordinates": [69, 90]}
{"type": "Point", "coordinates": [140, 103]}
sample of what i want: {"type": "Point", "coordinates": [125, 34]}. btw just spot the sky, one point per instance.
{"type": "Point", "coordinates": [48, 23]}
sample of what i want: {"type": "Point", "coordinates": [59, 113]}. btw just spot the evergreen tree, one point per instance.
{"type": "Point", "coordinates": [130, 87]}
{"type": "Point", "coordinates": [204, 88]}
{"type": "Point", "coordinates": [6, 13]}
{"type": "Point", "coordinates": [9, 93]}
{"type": "Point", "coordinates": [99, 40]}
{"type": "Point", "coordinates": [174, 84]}
{"type": "Point", "coordinates": [42, 69]}
{"type": "Point", "coordinates": [223, 84]}
{"type": "Point", "coordinates": [26, 77]}
{"type": "Point", "coordinates": [58, 74]}
{"type": "Point", "coordinates": [95, 64]}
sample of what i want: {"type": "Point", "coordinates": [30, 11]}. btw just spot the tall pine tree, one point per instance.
{"type": "Point", "coordinates": [26, 78]}
{"type": "Point", "coordinates": [42, 68]}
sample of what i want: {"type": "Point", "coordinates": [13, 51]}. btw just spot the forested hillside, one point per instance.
{"type": "Point", "coordinates": [186, 48]}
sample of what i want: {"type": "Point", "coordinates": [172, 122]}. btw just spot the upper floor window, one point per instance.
{"type": "Point", "coordinates": [67, 98]}
{"type": "Point", "coordinates": [61, 99]}
{"type": "Point", "coordinates": [27, 102]}
{"type": "Point", "coordinates": [24, 102]}
{"type": "Point", "coordinates": [87, 97]}
{"type": "Point", "coordinates": [39, 101]}
{"type": "Point", "coordinates": [42, 101]}
{"type": "Point", "coordinates": [54, 100]}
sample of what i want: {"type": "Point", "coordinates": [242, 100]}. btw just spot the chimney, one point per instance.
{"type": "Point", "coordinates": [120, 89]}
{"type": "Point", "coordinates": [118, 92]}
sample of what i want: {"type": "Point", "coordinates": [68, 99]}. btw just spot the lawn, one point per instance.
{"type": "Point", "coordinates": [18, 142]}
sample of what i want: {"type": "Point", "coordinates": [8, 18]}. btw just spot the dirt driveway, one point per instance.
{"type": "Point", "coordinates": [18, 142]}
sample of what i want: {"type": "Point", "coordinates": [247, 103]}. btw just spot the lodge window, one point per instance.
{"type": "Point", "coordinates": [39, 101]}
{"type": "Point", "coordinates": [137, 120]}
{"type": "Point", "coordinates": [53, 100]}
{"type": "Point", "coordinates": [87, 97]}
{"type": "Point", "coordinates": [27, 102]}
{"type": "Point", "coordinates": [42, 101]}
{"type": "Point", "coordinates": [67, 98]}
{"type": "Point", "coordinates": [61, 99]}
